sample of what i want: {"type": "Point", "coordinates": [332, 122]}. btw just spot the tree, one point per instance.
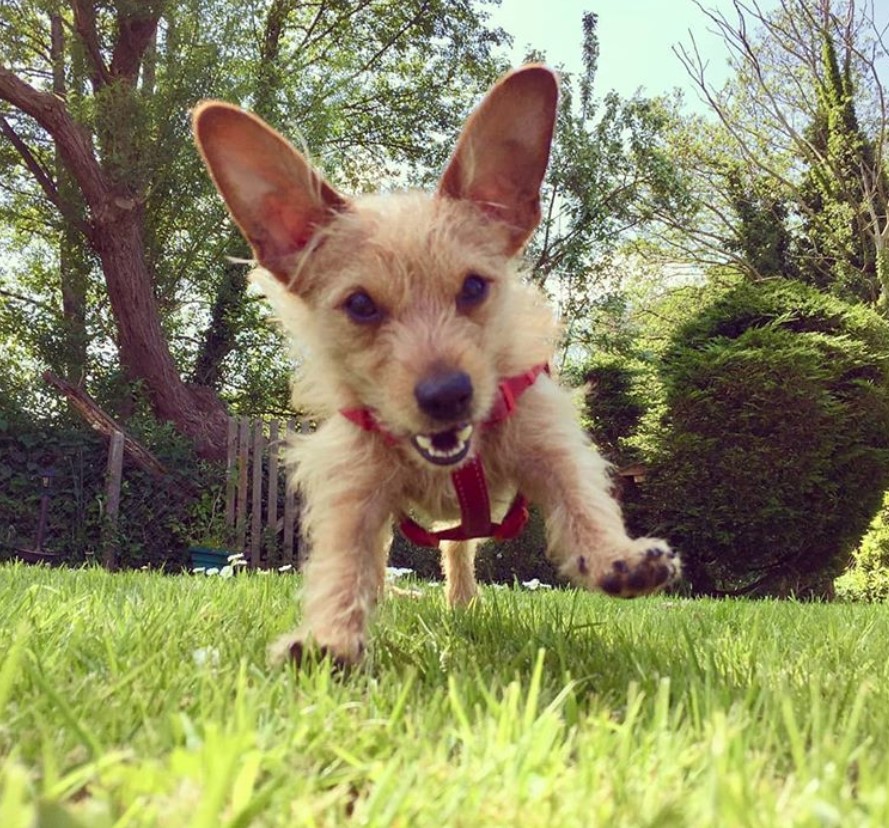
{"type": "Point", "coordinates": [609, 170]}
{"type": "Point", "coordinates": [762, 237]}
{"type": "Point", "coordinates": [119, 178]}
{"type": "Point", "coordinates": [110, 186]}
{"type": "Point", "coordinates": [799, 137]}
{"type": "Point", "coordinates": [843, 193]}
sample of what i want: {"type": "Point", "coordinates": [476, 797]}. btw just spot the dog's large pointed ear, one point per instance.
{"type": "Point", "coordinates": [274, 196]}
{"type": "Point", "coordinates": [503, 151]}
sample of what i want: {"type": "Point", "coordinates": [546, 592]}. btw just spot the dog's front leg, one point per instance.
{"type": "Point", "coordinates": [562, 472]}
{"type": "Point", "coordinates": [347, 521]}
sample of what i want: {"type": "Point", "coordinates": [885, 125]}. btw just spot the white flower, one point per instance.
{"type": "Point", "coordinates": [393, 573]}
{"type": "Point", "coordinates": [534, 583]}
{"type": "Point", "coordinates": [285, 568]}
{"type": "Point", "coordinates": [206, 655]}
{"type": "Point", "coordinates": [239, 562]}
{"type": "Point", "coordinates": [236, 556]}
{"type": "Point", "coordinates": [199, 570]}
{"type": "Point", "coordinates": [226, 572]}
{"type": "Point", "coordinates": [213, 570]}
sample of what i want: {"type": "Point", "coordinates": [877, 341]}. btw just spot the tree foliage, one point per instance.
{"type": "Point", "coordinates": [843, 192]}
{"type": "Point", "coordinates": [790, 179]}
{"type": "Point", "coordinates": [106, 191]}
{"type": "Point", "coordinates": [609, 171]}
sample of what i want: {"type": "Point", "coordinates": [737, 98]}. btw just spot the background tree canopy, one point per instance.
{"type": "Point", "coordinates": [118, 276]}
{"type": "Point", "coordinates": [107, 207]}
{"type": "Point", "coordinates": [120, 271]}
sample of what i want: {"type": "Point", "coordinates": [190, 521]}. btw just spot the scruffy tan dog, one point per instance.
{"type": "Point", "coordinates": [424, 354]}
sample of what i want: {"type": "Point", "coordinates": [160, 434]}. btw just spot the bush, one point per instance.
{"type": "Point", "coordinates": [868, 578]}
{"type": "Point", "coordinates": [612, 403]}
{"type": "Point", "coordinates": [772, 453]}
{"type": "Point", "coordinates": [153, 521]}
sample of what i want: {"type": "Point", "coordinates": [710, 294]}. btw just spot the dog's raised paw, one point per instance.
{"type": "Point", "coordinates": [651, 566]}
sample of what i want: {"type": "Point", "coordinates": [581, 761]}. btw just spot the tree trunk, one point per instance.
{"type": "Point", "coordinates": [219, 340]}
{"type": "Point", "coordinates": [73, 267]}
{"type": "Point", "coordinates": [231, 293]}
{"type": "Point", "coordinates": [114, 228]}
{"type": "Point", "coordinates": [195, 411]}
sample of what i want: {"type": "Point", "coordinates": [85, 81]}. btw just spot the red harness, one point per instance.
{"type": "Point", "coordinates": [469, 480]}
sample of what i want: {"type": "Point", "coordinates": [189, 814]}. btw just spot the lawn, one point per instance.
{"type": "Point", "coordinates": [139, 699]}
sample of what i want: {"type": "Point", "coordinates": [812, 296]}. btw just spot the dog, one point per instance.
{"type": "Point", "coordinates": [425, 358]}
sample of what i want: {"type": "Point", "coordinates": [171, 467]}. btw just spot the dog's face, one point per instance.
{"type": "Point", "coordinates": [414, 309]}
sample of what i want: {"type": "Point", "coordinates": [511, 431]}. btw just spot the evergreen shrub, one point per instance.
{"type": "Point", "coordinates": [770, 455]}
{"type": "Point", "coordinates": [868, 577]}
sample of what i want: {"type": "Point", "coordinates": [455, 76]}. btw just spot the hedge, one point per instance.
{"type": "Point", "coordinates": [771, 455]}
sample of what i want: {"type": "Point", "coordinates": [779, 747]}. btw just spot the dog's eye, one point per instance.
{"type": "Point", "coordinates": [361, 308]}
{"type": "Point", "coordinates": [473, 292]}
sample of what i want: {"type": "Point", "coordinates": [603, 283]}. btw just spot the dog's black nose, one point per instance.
{"type": "Point", "coordinates": [445, 397]}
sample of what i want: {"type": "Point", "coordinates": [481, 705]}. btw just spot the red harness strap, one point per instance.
{"type": "Point", "coordinates": [469, 481]}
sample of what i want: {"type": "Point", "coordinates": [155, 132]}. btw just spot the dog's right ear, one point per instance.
{"type": "Point", "coordinates": [272, 193]}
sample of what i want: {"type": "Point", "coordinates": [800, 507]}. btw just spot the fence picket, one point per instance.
{"type": "Point", "coordinates": [110, 539]}
{"type": "Point", "coordinates": [289, 504]}
{"type": "Point", "coordinates": [256, 505]}
{"type": "Point", "coordinates": [243, 461]}
{"type": "Point", "coordinates": [231, 478]}
{"type": "Point", "coordinates": [272, 488]}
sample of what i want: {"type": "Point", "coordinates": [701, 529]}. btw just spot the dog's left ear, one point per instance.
{"type": "Point", "coordinates": [501, 157]}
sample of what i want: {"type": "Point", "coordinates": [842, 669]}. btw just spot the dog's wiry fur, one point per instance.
{"type": "Point", "coordinates": [411, 254]}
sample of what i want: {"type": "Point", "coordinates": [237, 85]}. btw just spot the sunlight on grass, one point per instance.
{"type": "Point", "coordinates": [138, 699]}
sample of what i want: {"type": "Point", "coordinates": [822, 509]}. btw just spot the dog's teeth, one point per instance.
{"type": "Point", "coordinates": [430, 444]}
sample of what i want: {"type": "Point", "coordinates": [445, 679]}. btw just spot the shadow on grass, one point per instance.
{"type": "Point", "coordinates": [598, 644]}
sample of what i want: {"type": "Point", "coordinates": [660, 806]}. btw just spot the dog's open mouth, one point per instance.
{"type": "Point", "coordinates": [444, 448]}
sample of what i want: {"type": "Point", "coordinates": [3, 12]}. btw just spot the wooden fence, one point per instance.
{"type": "Point", "coordinates": [255, 479]}
{"type": "Point", "coordinates": [255, 488]}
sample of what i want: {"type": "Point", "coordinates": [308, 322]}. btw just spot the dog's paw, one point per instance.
{"type": "Point", "coordinates": [649, 566]}
{"type": "Point", "coordinates": [302, 651]}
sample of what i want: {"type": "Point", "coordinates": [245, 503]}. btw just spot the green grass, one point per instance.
{"type": "Point", "coordinates": [142, 700]}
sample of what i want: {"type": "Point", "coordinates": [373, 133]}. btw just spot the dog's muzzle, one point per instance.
{"type": "Point", "coordinates": [445, 396]}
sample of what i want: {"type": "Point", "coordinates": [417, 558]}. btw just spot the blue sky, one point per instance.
{"type": "Point", "coordinates": [635, 39]}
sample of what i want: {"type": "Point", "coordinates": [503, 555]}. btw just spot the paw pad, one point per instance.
{"type": "Point", "coordinates": [645, 572]}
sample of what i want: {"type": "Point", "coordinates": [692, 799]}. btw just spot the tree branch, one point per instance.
{"type": "Point", "coordinates": [136, 31]}
{"type": "Point", "coordinates": [85, 25]}
{"type": "Point", "coordinates": [72, 140]}
{"type": "Point", "coordinates": [44, 179]}
{"type": "Point", "coordinates": [28, 300]}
